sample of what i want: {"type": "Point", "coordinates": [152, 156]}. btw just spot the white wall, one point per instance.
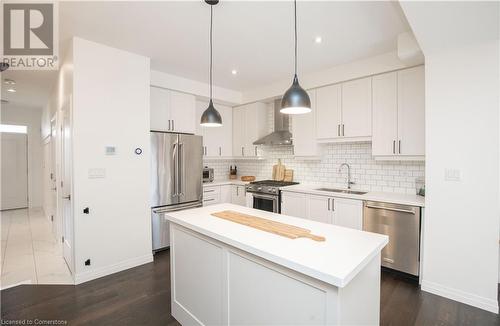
{"type": "Point", "coordinates": [30, 117]}
{"type": "Point", "coordinates": [343, 72]}
{"type": "Point", "coordinates": [110, 108]}
{"type": "Point", "coordinates": [201, 90]}
{"type": "Point", "coordinates": [462, 133]}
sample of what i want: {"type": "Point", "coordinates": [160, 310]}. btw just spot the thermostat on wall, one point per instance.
{"type": "Point", "coordinates": [110, 150]}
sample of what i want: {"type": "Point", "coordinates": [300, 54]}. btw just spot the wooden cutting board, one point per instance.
{"type": "Point", "coordinates": [279, 171]}
{"type": "Point", "coordinates": [282, 229]}
{"type": "Point", "coordinates": [288, 175]}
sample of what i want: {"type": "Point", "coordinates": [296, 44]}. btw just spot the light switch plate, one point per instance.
{"type": "Point", "coordinates": [452, 175]}
{"type": "Point", "coordinates": [110, 150]}
{"type": "Point", "coordinates": [97, 173]}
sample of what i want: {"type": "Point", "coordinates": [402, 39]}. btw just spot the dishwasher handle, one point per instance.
{"type": "Point", "coordinates": [391, 209]}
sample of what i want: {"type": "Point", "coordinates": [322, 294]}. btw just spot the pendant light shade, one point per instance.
{"type": "Point", "coordinates": [295, 100]}
{"type": "Point", "coordinates": [211, 117]}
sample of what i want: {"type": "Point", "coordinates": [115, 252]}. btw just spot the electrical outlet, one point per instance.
{"type": "Point", "coordinates": [452, 175]}
{"type": "Point", "coordinates": [87, 262]}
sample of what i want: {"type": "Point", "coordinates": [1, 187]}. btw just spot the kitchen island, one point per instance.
{"type": "Point", "coordinates": [225, 273]}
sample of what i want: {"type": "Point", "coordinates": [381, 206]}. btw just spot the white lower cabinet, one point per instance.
{"type": "Point", "coordinates": [348, 213]}
{"type": "Point", "coordinates": [235, 194]}
{"type": "Point", "coordinates": [238, 195]}
{"type": "Point", "coordinates": [293, 204]}
{"type": "Point", "coordinates": [319, 208]}
{"type": "Point", "coordinates": [326, 209]}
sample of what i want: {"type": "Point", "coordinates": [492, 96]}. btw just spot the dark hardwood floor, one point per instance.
{"type": "Point", "coordinates": [141, 296]}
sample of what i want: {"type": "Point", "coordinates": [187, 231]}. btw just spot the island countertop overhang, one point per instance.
{"type": "Point", "coordinates": [335, 261]}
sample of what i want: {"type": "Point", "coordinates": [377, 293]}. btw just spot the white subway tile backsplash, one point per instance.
{"type": "Point", "coordinates": [369, 175]}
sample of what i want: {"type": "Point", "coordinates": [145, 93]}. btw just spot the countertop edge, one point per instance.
{"type": "Point", "coordinates": [302, 269]}
{"type": "Point", "coordinates": [380, 197]}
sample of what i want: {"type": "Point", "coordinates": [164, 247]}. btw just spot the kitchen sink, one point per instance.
{"type": "Point", "coordinates": [343, 191]}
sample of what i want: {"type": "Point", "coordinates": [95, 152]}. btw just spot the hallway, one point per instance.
{"type": "Point", "coordinates": [30, 254]}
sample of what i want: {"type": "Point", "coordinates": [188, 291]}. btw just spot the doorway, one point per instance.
{"type": "Point", "coordinates": [14, 160]}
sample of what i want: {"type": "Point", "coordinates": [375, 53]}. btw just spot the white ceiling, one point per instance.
{"type": "Point", "coordinates": [254, 37]}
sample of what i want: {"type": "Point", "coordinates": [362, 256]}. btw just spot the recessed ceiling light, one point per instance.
{"type": "Point", "coordinates": [234, 72]}
{"type": "Point", "coordinates": [9, 81]}
{"type": "Point", "coordinates": [11, 90]}
{"type": "Point", "coordinates": [318, 39]}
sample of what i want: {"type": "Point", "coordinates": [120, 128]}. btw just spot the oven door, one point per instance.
{"type": "Point", "coordinates": [266, 202]}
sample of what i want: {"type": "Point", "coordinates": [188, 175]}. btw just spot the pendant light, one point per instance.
{"type": "Point", "coordinates": [211, 117]}
{"type": "Point", "coordinates": [295, 100]}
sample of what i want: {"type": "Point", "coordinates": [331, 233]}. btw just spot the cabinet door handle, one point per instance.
{"type": "Point", "coordinates": [173, 126]}
{"type": "Point", "coordinates": [333, 205]}
{"type": "Point", "coordinates": [338, 130]}
{"type": "Point", "coordinates": [237, 191]}
{"type": "Point", "coordinates": [168, 125]}
{"type": "Point", "coordinates": [343, 134]}
{"type": "Point", "coordinates": [393, 147]}
{"type": "Point", "coordinates": [255, 150]}
{"type": "Point", "coordinates": [399, 146]}
{"type": "Point", "coordinates": [328, 203]}
{"type": "Point", "coordinates": [220, 151]}
{"type": "Point", "coordinates": [242, 151]}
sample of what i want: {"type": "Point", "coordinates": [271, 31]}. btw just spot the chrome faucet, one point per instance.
{"type": "Point", "coordinates": [349, 182]}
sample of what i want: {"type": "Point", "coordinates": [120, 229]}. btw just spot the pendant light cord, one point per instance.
{"type": "Point", "coordinates": [295, 16]}
{"type": "Point", "coordinates": [211, 23]}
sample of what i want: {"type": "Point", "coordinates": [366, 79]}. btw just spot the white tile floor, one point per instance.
{"type": "Point", "coordinates": [29, 251]}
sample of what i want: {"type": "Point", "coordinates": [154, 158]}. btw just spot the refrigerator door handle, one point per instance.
{"type": "Point", "coordinates": [176, 169]}
{"type": "Point", "coordinates": [182, 169]}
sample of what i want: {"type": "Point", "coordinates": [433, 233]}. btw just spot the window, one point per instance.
{"type": "Point", "coordinates": [18, 129]}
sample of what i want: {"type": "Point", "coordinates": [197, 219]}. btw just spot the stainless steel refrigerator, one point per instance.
{"type": "Point", "coordinates": [176, 179]}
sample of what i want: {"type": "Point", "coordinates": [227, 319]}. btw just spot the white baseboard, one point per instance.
{"type": "Point", "coordinates": [111, 269]}
{"type": "Point", "coordinates": [460, 296]}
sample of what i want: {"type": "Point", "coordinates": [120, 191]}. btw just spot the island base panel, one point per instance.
{"type": "Point", "coordinates": [216, 284]}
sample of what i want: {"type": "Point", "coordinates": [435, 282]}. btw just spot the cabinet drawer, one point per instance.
{"type": "Point", "coordinates": [211, 199]}
{"type": "Point", "coordinates": [213, 190]}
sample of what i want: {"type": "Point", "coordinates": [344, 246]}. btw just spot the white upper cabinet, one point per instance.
{"type": "Point", "coordinates": [217, 141]}
{"type": "Point", "coordinates": [399, 115]}
{"type": "Point", "coordinates": [249, 124]}
{"type": "Point", "coordinates": [411, 112]}
{"type": "Point", "coordinates": [239, 131]}
{"type": "Point", "coordinates": [303, 126]}
{"type": "Point", "coordinates": [357, 108]}
{"type": "Point", "coordinates": [172, 111]}
{"type": "Point", "coordinates": [385, 114]}
{"type": "Point", "coordinates": [344, 111]}
{"type": "Point", "coordinates": [328, 112]}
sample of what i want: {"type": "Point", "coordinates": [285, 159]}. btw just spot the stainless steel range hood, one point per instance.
{"type": "Point", "coordinates": [281, 134]}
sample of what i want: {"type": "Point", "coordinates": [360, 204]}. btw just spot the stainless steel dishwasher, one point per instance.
{"type": "Point", "coordinates": [402, 224]}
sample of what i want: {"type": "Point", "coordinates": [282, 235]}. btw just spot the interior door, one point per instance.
{"type": "Point", "coordinates": [190, 168]}
{"type": "Point", "coordinates": [385, 114]}
{"type": "Point", "coordinates": [66, 183]}
{"type": "Point", "coordinates": [52, 176]}
{"type": "Point", "coordinates": [328, 115]}
{"type": "Point", "coordinates": [14, 171]}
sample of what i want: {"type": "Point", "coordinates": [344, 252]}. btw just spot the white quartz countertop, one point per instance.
{"type": "Point", "coordinates": [386, 197]}
{"type": "Point", "coordinates": [222, 182]}
{"type": "Point", "coordinates": [335, 261]}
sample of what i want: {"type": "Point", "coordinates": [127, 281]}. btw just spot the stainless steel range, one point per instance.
{"type": "Point", "coordinates": [267, 195]}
